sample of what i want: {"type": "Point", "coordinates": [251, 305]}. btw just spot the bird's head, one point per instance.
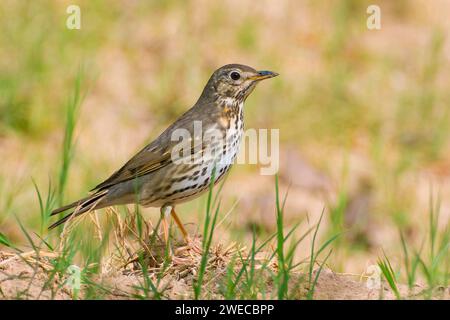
{"type": "Point", "coordinates": [235, 81]}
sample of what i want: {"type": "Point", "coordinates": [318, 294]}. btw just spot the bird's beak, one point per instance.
{"type": "Point", "coordinates": [261, 75]}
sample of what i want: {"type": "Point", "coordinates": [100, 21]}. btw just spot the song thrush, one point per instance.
{"type": "Point", "coordinates": [159, 177]}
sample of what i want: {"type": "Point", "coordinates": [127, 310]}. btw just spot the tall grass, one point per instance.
{"type": "Point", "coordinates": [212, 211]}
{"type": "Point", "coordinates": [245, 281]}
{"type": "Point", "coordinates": [388, 272]}
{"type": "Point", "coordinates": [45, 205]}
{"type": "Point", "coordinates": [429, 262]}
{"type": "Point", "coordinates": [251, 280]}
{"type": "Point", "coordinates": [70, 246]}
{"type": "Point", "coordinates": [55, 194]}
{"type": "Point", "coordinates": [435, 266]}
{"type": "Point", "coordinates": [283, 274]}
{"type": "Point", "coordinates": [313, 258]}
{"type": "Point", "coordinates": [68, 149]}
{"type": "Point", "coordinates": [5, 241]}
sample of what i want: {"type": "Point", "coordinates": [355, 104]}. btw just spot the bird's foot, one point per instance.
{"type": "Point", "coordinates": [193, 245]}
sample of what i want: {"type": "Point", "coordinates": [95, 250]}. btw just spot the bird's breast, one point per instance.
{"type": "Point", "coordinates": [221, 143]}
{"type": "Point", "coordinates": [233, 135]}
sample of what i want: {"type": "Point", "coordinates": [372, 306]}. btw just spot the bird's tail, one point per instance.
{"type": "Point", "coordinates": [81, 206]}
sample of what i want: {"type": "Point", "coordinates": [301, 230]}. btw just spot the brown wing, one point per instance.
{"type": "Point", "coordinates": [157, 154]}
{"type": "Point", "coordinates": [142, 163]}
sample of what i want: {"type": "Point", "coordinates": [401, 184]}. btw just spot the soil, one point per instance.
{"type": "Point", "coordinates": [22, 279]}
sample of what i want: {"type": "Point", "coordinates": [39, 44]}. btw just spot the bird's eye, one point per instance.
{"type": "Point", "coordinates": [235, 75]}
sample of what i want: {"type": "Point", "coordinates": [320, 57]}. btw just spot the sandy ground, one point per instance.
{"type": "Point", "coordinates": [24, 279]}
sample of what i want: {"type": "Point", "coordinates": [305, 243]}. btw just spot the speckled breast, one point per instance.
{"type": "Point", "coordinates": [188, 181]}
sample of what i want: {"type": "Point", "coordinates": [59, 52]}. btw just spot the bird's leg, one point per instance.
{"type": "Point", "coordinates": [180, 225]}
{"type": "Point", "coordinates": [165, 216]}
{"type": "Point", "coordinates": [191, 244]}
{"type": "Point", "coordinates": [165, 212]}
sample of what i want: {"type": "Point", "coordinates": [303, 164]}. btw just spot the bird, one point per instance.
{"type": "Point", "coordinates": [180, 163]}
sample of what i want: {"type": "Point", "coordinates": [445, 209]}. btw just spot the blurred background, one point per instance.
{"type": "Point", "coordinates": [363, 114]}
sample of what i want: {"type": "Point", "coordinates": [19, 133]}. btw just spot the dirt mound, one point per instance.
{"type": "Point", "coordinates": [24, 277]}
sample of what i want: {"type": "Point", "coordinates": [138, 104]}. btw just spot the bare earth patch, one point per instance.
{"type": "Point", "coordinates": [21, 279]}
{"type": "Point", "coordinates": [31, 278]}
